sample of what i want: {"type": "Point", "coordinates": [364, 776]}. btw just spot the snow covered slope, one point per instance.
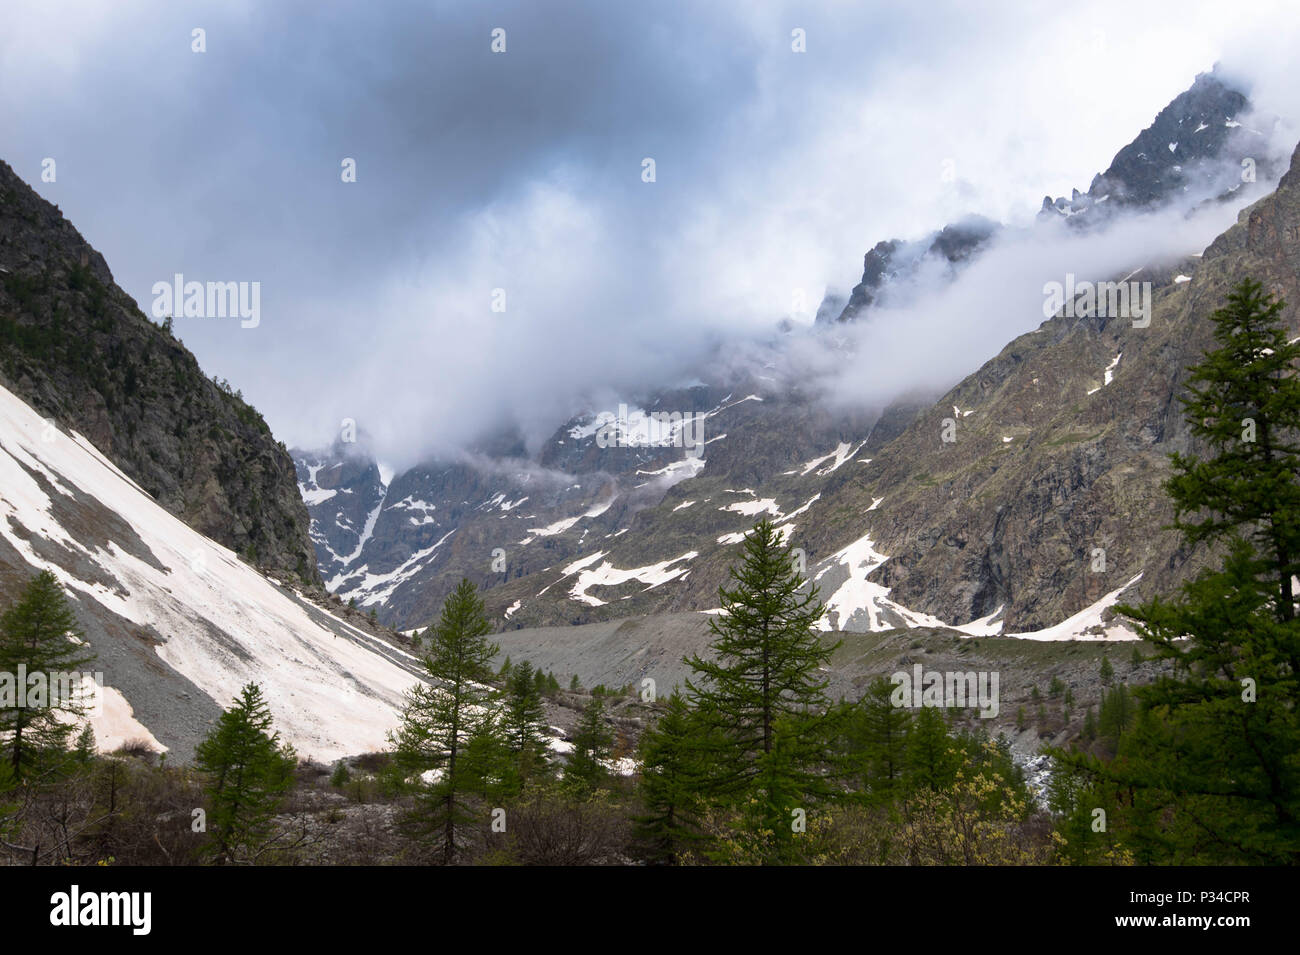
{"type": "Point", "coordinates": [178, 622]}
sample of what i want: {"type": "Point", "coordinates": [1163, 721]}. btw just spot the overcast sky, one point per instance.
{"type": "Point", "coordinates": [522, 170]}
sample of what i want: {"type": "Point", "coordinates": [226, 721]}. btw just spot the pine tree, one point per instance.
{"type": "Point", "coordinates": [1116, 714]}
{"type": "Point", "coordinates": [1211, 757]}
{"type": "Point", "coordinates": [764, 673]}
{"type": "Point", "coordinates": [524, 723]}
{"type": "Point", "coordinates": [593, 743]}
{"type": "Point", "coordinates": [488, 766]}
{"type": "Point", "coordinates": [669, 785]}
{"type": "Point", "coordinates": [1089, 724]}
{"type": "Point", "coordinates": [1244, 403]}
{"type": "Point", "coordinates": [340, 777]}
{"type": "Point", "coordinates": [85, 749]}
{"type": "Point", "coordinates": [39, 635]}
{"type": "Point", "coordinates": [1107, 671]}
{"type": "Point", "coordinates": [876, 733]}
{"type": "Point", "coordinates": [932, 760]}
{"type": "Point", "coordinates": [439, 720]}
{"type": "Point", "coordinates": [248, 771]}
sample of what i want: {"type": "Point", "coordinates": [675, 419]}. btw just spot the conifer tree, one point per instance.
{"type": "Point", "coordinates": [439, 720]}
{"type": "Point", "coordinates": [669, 784]}
{"type": "Point", "coordinates": [931, 760]}
{"type": "Point", "coordinates": [1244, 404]}
{"type": "Point", "coordinates": [488, 766]}
{"type": "Point", "coordinates": [84, 750]}
{"type": "Point", "coordinates": [1211, 757]}
{"type": "Point", "coordinates": [593, 743]}
{"type": "Point", "coordinates": [39, 635]}
{"type": "Point", "coordinates": [340, 777]}
{"type": "Point", "coordinates": [1116, 713]}
{"type": "Point", "coordinates": [876, 733]}
{"type": "Point", "coordinates": [524, 723]}
{"type": "Point", "coordinates": [764, 672]}
{"type": "Point", "coordinates": [248, 771]}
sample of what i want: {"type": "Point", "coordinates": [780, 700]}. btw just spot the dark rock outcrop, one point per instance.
{"type": "Point", "coordinates": [77, 349]}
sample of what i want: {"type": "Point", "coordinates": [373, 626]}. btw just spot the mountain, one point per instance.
{"type": "Point", "coordinates": [399, 547]}
{"type": "Point", "coordinates": [896, 261]}
{"type": "Point", "coordinates": [1193, 151]}
{"type": "Point", "coordinates": [1024, 501]}
{"type": "Point", "coordinates": [1059, 453]}
{"type": "Point", "coordinates": [1196, 147]}
{"type": "Point", "coordinates": [78, 350]}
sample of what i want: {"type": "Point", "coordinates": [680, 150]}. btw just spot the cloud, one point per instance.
{"type": "Point", "coordinates": [775, 170]}
{"type": "Point", "coordinates": [934, 337]}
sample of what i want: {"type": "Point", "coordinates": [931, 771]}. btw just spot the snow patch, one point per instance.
{"type": "Point", "coordinates": [607, 575]}
{"type": "Point", "coordinates": [333, 689]}
{"type": "Point", "coordinates": [1087, 624]}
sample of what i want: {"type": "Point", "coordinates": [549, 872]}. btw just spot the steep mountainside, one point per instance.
{"type": "Point", "coordinates": [1062, 446]}
{"type": "Point", "coordinates": [76, 347]}
{"type": "Point", "coordinates": [1182, 152]}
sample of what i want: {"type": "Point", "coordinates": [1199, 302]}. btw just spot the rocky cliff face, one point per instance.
{"type": "Point", "coordinates": [895, 263]}
{"type": "Point", "coordinates": [77, 349]}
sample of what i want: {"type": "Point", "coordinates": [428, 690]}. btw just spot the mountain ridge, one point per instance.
{"type": "Point", "coordinates": [78, 349]}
